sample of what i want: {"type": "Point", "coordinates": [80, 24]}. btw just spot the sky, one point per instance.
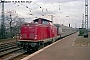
{"type": "Point", "coordinates": [63, 11]}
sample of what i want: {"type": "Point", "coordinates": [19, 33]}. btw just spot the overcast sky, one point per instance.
{"type": "Point", "coordinates": [60, 9]}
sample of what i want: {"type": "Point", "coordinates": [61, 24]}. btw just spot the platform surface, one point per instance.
{"type": "Point", "coordinates": [64, 50]}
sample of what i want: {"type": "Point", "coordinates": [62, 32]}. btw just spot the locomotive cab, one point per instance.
{"type": "Point", "coordinates": [42, 21]}
{"type": "Point", "coordinates": [51, 30]}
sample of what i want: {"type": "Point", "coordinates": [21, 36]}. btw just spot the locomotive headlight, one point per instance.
{"type": "Point", "coordinates": [20, 36]}
{"type": "Point", "coordinates": [35, 36]}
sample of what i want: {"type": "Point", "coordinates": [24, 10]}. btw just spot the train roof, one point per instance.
{"type": "Point", "coordinates": [42, 19]}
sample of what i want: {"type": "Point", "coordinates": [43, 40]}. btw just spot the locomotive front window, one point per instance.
{"type": "Point", "coordinates": [44, 22]}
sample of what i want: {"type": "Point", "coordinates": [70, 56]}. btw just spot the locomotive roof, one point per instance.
{"type": "Point", "coordinates": [42, 19]}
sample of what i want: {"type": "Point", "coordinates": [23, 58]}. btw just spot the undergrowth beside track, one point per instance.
{"type": "Point", "coordinates": [81, 41]}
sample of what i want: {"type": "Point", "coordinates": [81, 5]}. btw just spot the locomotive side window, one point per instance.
{"type": "Point", "coordinates": [50, 23]}
{"type": "Point", "coordinates": [35, 22]}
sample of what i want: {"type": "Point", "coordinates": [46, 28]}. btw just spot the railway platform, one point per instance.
{"type": "Point", "coordinates": [63, 49]}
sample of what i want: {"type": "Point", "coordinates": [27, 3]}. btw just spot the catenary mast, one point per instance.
{"type": "Point", "coordinates": [2, 21]}
{"type": "Point", "coordinates": [86, 14]}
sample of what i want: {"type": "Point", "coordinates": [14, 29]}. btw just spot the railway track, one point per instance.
{"type": "Point", "coordinates": [13, 54]}
{"type": "Point", "coordinates": [7, 46]}
{"type": "Point", "coordinates": [10, 50]}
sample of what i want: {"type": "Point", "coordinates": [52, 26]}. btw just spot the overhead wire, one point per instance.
{"type": "Point", "coordinates": [28, 8]}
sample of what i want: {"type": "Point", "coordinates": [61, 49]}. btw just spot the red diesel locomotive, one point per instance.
{"type": "Point", "coordinates": [37, 34]}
